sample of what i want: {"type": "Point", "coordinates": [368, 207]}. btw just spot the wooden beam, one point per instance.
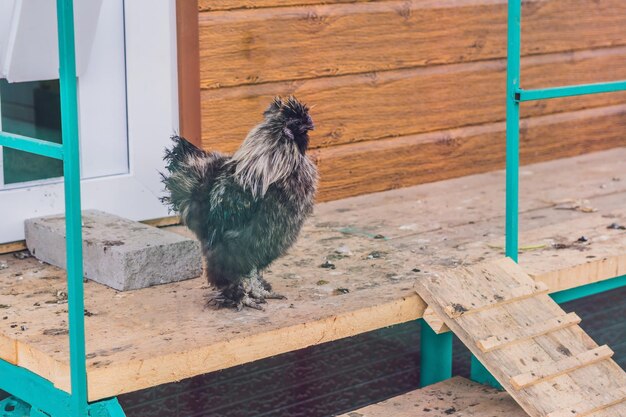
{"type": "Point", "coordinates": [563, 366]}
{"type": "Point", "coordinates": [409, 101]}
{"type": "Point", "coordinates": [12, 246]}
{"type": "Point", "coordinates": [188, 70]}
{"type": "Point", "coordinates": [455, 396]}
{"type": "Point", "coordinates": [289, 43]}
{"type": "Point", "coordinates": [435, 322]}
{"type": "Point", "coordinates": [539, 329]}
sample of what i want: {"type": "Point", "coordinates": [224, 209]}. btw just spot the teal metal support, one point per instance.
{"type": "Point", "coordinates": [569, 91]}
{"type": "Point", "coordinates": [34, 390]}
{"type": "Point", "coordinates": [106, 408]}
{"type": "Point", "coordinates": [31, 145]}
{"type": "Point", "coordinates": [589, 289]}
{"type": "Point", "coordinates": [71, 172]}
{"type": "Point", "coordinates": [512, 128]}
{"type": "Point", "coordinates": [34, 395]}
{"type": "Point", "coordinates": [436, 355]}
{"type": "Point", "coordinates": [13, 407]}
{"type": "Point", "coordinates": [480, 374]}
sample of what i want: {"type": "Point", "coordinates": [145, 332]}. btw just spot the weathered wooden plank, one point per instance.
{"type": "Point", "coordinates": [599, 402]}
{"type": "Point", "coordinates": [517, 319]}
{"type": "Point", "coordinates": [372, 106]}
{"type": "Point", "coordinates": [381, 165]}
{"type": "Point", "coordinates": [560, 367]}
{"type": "Point", "coordinates": [289, 43]}
{"type": "Point", "coordinates": [536, 330]}
{"type": "Point", "coordinates": [161, 334]}
{"type": "Point", "coordinates": [456, 396]}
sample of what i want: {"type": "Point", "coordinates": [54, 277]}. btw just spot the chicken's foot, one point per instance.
{"type": "Point", "coordinates": [251, 292]}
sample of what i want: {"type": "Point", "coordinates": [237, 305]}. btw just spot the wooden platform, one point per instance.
{"type": "Point", "coordinates": [539, 354]}
{"type": "Point", "coordinates": [380, 246]}
{"type": "Point", "coordinates": [456, 397]}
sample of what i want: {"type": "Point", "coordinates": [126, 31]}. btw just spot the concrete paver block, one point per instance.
{"type": "Point", "coordinates": [120, 253]}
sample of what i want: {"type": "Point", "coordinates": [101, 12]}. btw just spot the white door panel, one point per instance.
{"type": "Point", "coordinates": [128, 109]}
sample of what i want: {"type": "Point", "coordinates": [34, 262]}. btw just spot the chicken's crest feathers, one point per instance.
{"type": "Point", "coordinates": [275, 148]}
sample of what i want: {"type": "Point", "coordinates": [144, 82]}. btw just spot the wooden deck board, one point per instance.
{"type": "Point", "coordinates": [454, 397]}
{"type": "Point", "coordinates": [148, 337]}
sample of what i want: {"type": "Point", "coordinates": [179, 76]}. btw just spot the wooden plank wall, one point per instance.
{"type": "Point", "coordinates": [411, 91]}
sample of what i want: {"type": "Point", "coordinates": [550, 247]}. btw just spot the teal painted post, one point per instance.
{"type": "Point", "coordinates": [71, 172]}
{"type": "Point", "coordinates": [512, 128]}
{"type": "Point", "coordinates": [436, 355]}
{"type": "Point", "coordinates": [478, 372]}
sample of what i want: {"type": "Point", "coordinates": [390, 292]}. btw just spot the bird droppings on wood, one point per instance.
{"type": "Point", "coordinates": [616, 226]}
{"type": "Point", "coordinates": [458, 308]}
{"type": "Point", "coordinates": [55, 332]}
{"type": "Point", "coordinates": [322, 282]}
{"type": "Point", "coordinates": [341, 291]}
{"type": "Point", "coordinates": [22, 254]}
{"type": "Point", "coordinates": [376, 255]}
{"type": "Point", "coordinates": [563, 350]}
{"type": "Point", "coordinates": [3, 265]}
{"type": "Point", "coordinates": [328, 265]}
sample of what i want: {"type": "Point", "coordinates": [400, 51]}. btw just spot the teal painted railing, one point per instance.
{"type": "Point", "coordinates": [514, 96]}
{"type": "Point", "coordinates": [37, 392]}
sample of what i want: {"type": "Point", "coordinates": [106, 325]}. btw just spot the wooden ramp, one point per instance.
{"type": "Point", "coordinates": [539, 354]}
{"type": "Point", "coordinates": [455, 397]}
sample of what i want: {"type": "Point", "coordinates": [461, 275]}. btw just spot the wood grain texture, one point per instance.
{"type": "Point", "coordinates": [380, 165]}
{"type": "Point", "coordinates": [549, 344]}
{"type": "Point", "coordinates": [155, 335]}
{"type": "Point", "coordinates": [464, 397]}
{"type": "Point", "coordinates": [372, 106]}
{"type": "Point", "coordinates": [290, 43]}
{"type": "Point", "coordinates": [206, 5]}
{"type": "Point", "coordinates": [561, 367]}
{"type": "Point", "coordinates": [187, 45]}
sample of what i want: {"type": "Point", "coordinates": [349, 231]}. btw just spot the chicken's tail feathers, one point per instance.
{"type": "Point", "coordinates": [180, 153]}
{"type": "Point", "coordinates": [190, 174]}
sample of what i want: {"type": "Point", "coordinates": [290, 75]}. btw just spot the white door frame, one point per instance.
{"type": "Point", "coordinates": [152, 117]}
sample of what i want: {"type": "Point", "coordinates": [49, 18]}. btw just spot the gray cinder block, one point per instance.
{"type": "Point", "coordinates": [118, 252]}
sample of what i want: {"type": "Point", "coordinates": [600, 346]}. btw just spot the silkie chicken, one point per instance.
{"type": "Point", "coordinates": [246, 209]}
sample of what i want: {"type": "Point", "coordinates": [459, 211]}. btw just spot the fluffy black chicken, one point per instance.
{"type": "Point", "coordinates": [246, 209]}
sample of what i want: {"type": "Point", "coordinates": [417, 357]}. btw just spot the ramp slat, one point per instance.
{"type": "Point", "coordinates": [539, 329]}
{"type": "Point", "coordinates": [563, 366]}
{"type": "Point", "coordinates": [599, 402]}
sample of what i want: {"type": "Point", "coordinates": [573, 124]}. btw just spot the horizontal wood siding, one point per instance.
{"type": "Point", "coordinates": [252, 46]}
{"type": "Point", "coordinates": [386, 74]}
{"type": "Point", "coordinates": [381, 165]}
